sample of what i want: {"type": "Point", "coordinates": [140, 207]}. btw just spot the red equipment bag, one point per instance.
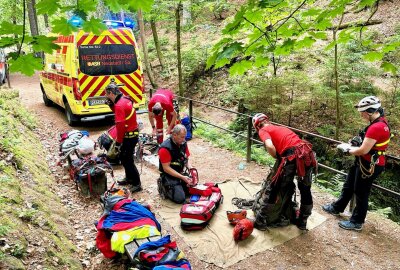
{"type": "Point", "coordinates": [195, 215]}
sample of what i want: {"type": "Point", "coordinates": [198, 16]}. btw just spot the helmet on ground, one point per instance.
{"type": "Point", "coordinates": [235, 216]}
{"type": "Point", "coordinates": [258, 118]}
{"type": "Point", "coordinates": [243, 229]}
{"type": "Point", "coordinates": [370, 104]}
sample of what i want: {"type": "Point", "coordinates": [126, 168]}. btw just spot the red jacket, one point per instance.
{"type": "Point", "coordinates": [165, 97]}
{"type": "Point", "coordinates": [125, 116]}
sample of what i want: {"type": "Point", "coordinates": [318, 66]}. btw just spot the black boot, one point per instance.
{"type": "Point", "coordinates": [305, 212]}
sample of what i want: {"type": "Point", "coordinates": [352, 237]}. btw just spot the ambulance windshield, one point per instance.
{"type": "Point", "coordinates": [107, 59]}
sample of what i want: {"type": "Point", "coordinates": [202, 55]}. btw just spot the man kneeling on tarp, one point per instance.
{"type": "Point", "coordinates": [174, 158]}
{"type": "Point", "coordinates": [294, 157]}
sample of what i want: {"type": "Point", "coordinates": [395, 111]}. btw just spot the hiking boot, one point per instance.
{"type": "Point", "coordinates": [136, 188]}
{"type": "Point", "coordinates": [301, 220]}
{"type": "Point", "coordinates": [124, 182]}
{"type": "Point", "coordinates": [348, 225]}
{"type": "Point", "coordinates": [161, 189]}
{"type": "Point", "coordinates": [330, 209]}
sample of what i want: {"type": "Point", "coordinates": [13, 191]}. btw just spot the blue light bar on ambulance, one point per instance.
{"type": "Point", "coordinates": [114, 24]}
{"type": "Point", "coordinates": [75, 21]}
{"type": "Point", "coordinates": [129, 23]}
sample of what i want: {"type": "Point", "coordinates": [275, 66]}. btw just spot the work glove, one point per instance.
{"type": "Point", "coordinates": [344, 147]}
{"type": "Point", "coordinates": [356, 141]}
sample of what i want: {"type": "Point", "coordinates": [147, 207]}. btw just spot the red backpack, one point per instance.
{"type": "Point", "coordinates": [205, 199]}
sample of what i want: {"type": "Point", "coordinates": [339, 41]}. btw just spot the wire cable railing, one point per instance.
{"type": "Point", "coordinates": [249, 138]}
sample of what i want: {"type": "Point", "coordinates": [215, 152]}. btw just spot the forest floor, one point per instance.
{"type": "Point", "coordinates": [325, 247]}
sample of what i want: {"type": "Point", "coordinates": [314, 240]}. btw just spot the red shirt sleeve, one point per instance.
{"type": "Point", "coordinates": [264, 135]}
{"type": "Point", "coordinates": [379, 132]}
{"type": "Point", "coordinates": [164, 155]}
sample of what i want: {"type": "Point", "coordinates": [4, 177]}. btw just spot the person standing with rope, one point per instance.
{"type": "Point", "coordinates": [369, 149]}
{"type": "Point", "coordinates": [294, 157]}
{"type": "Point", "coordinates": [127, 133]}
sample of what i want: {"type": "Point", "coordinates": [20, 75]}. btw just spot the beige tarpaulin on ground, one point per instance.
{"type": "Point", "coordinates": [215, 244]}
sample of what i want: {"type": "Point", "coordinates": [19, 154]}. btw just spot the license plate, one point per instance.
{"type": "Point", "coordinates": [97, 101]}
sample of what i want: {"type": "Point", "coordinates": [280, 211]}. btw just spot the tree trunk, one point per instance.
{"type": "Point", "coordinates": [336, 88]}
{"type": "Point", "coordinates": [178, 45]}
{"type": "Point", "coordinates": [145, 53]}
{"type": "Point", "coordinates": [46, 20]}
{"type": "Point", "coordinates": [157, 43]}
{"type": "Point", "coordinates": [32, 18]}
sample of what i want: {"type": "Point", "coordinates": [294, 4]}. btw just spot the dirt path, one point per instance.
{"type": "Point", "coordinates": [325, 247]}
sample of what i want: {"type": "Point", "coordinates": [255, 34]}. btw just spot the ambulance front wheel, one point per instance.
{"type": "Point", "coordinates": [72, 119]}
{"type": "Point", "coordinates": [46, 100]}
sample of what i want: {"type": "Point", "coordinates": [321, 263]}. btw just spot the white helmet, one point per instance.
{"type": "Point", "coordinates": [258, 118]}
{"type": "Point", "coordinates": [370, 102]}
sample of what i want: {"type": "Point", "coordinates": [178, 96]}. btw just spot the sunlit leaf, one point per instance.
{"type": "Point", "coordinates": [373, 56]}
{"type": "Point", "coordinates": [389, 67]}
{"type": "Point", "coordinates": [62, 27]}
{"type": "Point", "coordinates": [261, 61]}
{"type": "Point", "coordinates": [366, 3]}
{"type": "Point", "coordinates": [8, 41]}
{"type": "Point", "coordinates": [285, 48]}
{"type": "Point", "coordinates": [305, 42]}
{"type": "Point", "coordinates": [95, 26]}
{"type": "Point", "coordinates": [144, 5]}
{"type": "Point", "coordinates": [7, 28]}
{"type": "Point", "coordinates": [113, 5]}
{"type": "Point", "coordinates": [318, 35]}
{"type": "Point", "coordinates": [222, 62]}
{"type": "Point", "coordinates": [43, 43]}
{"type": "Point", "coordinates": [239, 68]}
{"type": "Point", "coordinates": [88, 5]}
{"type": "Point", "coordinates": [48, 7]}
{"type": "Point", "coordinates": [26, 64]}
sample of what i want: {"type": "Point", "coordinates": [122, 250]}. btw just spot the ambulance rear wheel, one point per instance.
{"type": "Point", "coordinates": [72, 119]}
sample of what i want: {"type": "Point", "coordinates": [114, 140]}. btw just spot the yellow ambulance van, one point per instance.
{"type": "Point", "coordinates": [75, 76]}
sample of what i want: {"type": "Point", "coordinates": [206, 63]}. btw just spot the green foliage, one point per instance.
{"type": "Point", "coordinates": [263, 29]}
{"type": "Point", "coordinates": [19, 149]}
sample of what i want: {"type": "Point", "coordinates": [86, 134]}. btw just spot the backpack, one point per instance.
{"type": "Point", "coordinates": [197, 213]}
{"type": "Point", "coordinates": [283, 211]}
{"type": "Point", "coordinates": [188, 125]}
{"type": "Point", "coordinates": [157, 253]}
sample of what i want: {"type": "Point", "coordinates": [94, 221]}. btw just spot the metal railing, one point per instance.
{"type": "Point", "coordinates": [249, 138]}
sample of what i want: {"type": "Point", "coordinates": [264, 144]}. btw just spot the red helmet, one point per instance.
{"type": "Point", "coordinates": [242, 229]}
{"type": "Point", "coordinates": [258, 118]}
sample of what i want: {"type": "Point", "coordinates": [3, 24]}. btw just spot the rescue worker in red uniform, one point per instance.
{"type": "Point", "coordinates": [127, 133]}
{"type": "Point", "coordinates": [369, 149]}
{"type": "Point", "coordinates": [162, 100]}
{"type": "Point", "coordinates": [294, 157]}
{"type": "Point", "coordinates": [174, 158]}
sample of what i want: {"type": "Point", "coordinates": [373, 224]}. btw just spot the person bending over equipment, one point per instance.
{"type": "Point", "coordinates": [162, 100]}
{"type": "Point", "coordinates": [294, 157]}
{"type": "Point", "coordinates": [174, 159]}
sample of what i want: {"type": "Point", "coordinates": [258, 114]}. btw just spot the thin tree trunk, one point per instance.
{"type": "Point", "coordinates": [157, 43]}
{"type": "Point", "coordinates": [335, 69]}
{"type": "Point", "coordinates": [145, 53]}
{"type": "Point", "coordinates": [178, 45]}
{"type": "Point", "coordinates": [46, 20]}
{"type": "Point", "coordinates": [337, 129]}
{"type": "Point", "coordinates": [32, 18]}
